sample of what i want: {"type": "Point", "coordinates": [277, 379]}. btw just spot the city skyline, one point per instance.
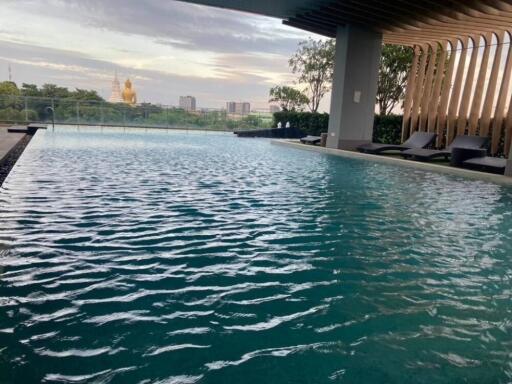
{"type": "Point", "coordinates": [231, 58]}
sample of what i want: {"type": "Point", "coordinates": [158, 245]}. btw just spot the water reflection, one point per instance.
{"type": "Point", "coordinates": [167, 256]}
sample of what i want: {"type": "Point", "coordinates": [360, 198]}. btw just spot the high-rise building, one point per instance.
{"type": "Point", "coordinates": [236, 108]}
{"type": "Point", "coordinates": [188, 103]}
{"type": "Point", "coordinates": [115, 95]}
{"type": "Point", "coordinates": [230, 107]}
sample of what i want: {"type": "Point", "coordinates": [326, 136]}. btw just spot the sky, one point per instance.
{"type": "Point", "coordinates": [167, 48]}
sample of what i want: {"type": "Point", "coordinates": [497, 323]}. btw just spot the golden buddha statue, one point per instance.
{"type": "Point", "coordinates": [129, 94]}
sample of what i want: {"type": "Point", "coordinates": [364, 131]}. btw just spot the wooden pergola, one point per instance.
{"type": "Point", "coordinates": [461, 74]}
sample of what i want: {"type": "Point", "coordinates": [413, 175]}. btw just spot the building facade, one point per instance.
{"type": "Point", "coordinates": [238, 108]}
{"type": "Point", "coordinates": [188, 103]}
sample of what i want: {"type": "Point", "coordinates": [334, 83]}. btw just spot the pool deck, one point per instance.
{"type": "Point", "coordinates": [489, 177]}
{"type": "Point", "coordinates": [8, 141]}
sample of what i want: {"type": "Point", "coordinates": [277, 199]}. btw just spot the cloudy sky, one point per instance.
{"type": "Point", "coordinates": [167, 48]}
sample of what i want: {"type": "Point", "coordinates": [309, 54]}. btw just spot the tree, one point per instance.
{"type": "Point", "coordinates": [85, 94]}
{"type": "Point", "coordinates": [313, 62]}
{"type": "Point", "coordinates": [289, 99]}
{"type": "Point", "coordinates": [395, 64]}
{"type": "Point", "coordinates": [52, 90]}
{"type": "Point", "coordinates": [9, 88]}
{"type": "Point", "coordinates": [30, 90]}
{"type": "Point", "coordinates": [9, 93]}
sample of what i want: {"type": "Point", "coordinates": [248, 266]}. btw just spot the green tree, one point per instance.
{"type": "Point", "coordinates": [9, 99]}
{"type": "Point", "coordinates": [52, 90]}
{"type": "Point", "coordinates": [9, 88]}
{"type": "Point", "coordinates": [395, 64]}
{"type": "Point", "coordinates": [289, 98]}
{"type": "Point", "coordinates": [85, 94]}
{"type": "Point", "coordinates": [313, 62]}
{"type": "Point", "coordinates": [30, 90]}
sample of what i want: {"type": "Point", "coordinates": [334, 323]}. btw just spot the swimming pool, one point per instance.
{"type": "Point", "coordinates": [145, 256]}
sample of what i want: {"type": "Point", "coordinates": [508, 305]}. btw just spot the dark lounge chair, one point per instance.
{"type": "Point", "coordinates": [311, 140]}
{"type": "Point", "coordinates": [487, 164]}
{"type": "Point", "coordinates": [417, 140]}
{"type": "Point", "coordinates": [462, 141]}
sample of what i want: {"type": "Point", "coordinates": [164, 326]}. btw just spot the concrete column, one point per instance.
{"type": "Point", "coordinates": [508, 169]}
{"type": "Point", "coordinates": [354, 90]}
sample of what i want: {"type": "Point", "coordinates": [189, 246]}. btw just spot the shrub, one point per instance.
{"type": "Point", "coordinates": [12, 115]}
{"type": "Point", "coordinates": [386, 129]}
{"type": "Point", "coordinates": [308, 122]}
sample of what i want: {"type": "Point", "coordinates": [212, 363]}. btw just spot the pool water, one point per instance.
{"type": "Point", "coordinates": [146, 256]}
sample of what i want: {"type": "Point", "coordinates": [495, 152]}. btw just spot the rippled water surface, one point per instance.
{"type": "Point", "coordinates": [165, 257]}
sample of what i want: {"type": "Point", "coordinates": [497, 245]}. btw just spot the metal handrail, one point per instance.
{"type": "Point", "coordinates": [94, 112]}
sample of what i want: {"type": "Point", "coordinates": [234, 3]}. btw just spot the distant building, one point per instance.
{"type": "Point", "coordinates": [188, 103]}
{"type": "Point", "coordinates": [275, 108]}
{"type": "Point", "coordinates": [236, 108]}
{"type": "Point", "coordinates": [115, 95]}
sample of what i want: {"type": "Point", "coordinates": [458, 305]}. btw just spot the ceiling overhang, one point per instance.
{"type": "Point", "coordinates": [402, 22]}
{"type": "Point", "coordinates": [281, 9]}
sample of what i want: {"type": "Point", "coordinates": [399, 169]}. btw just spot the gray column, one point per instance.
{"type": "Point", "coordinates": [508, 169]}
{"type": "Point", "coordinates": [354, 87]}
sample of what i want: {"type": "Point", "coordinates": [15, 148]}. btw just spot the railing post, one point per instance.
{"type": "Point", "coordinates": [77, 112]}
{"type": "Point", "coordinates": [26, 109]}
{"type": "Point", "coordinates": [101, 113]}
{"type": "Point", "coordinates": [53, 108]}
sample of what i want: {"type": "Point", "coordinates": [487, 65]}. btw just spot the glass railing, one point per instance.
{"type": "Point", "coordinates": [27, 109]}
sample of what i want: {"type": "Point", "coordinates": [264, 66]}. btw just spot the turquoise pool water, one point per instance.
{"type": "Point", "coordinates": [171, 257]}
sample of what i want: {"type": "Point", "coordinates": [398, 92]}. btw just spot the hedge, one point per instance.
{"type": "Point", "coordinates": [309, 123]}
{"type": "Point", "coordinates": [387, 129]}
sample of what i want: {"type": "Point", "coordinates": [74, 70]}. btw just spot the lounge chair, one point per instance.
{"type": "Point", "coordinates": [417, 140]}
{"type": "Point", "coordinates": [311, 140]}
{"type": "Point", "coordinates": [461, 141]}
{"type": "Point", "coordinates": [487, 164]}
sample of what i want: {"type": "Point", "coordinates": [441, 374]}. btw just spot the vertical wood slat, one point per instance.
{"type": "Point", "coordinates": [456, 91]}
{"type": "Point", "coordinates": [409, 92]}
{"type": "Point", "coordinates": [445, 93]}
{"type": "Point", "coordinates": [468, 88]}
{"type": "Point", "coordinates": [427, 89]}
{"type": "Point", "coordinates": [499, 113]}
{"type": "Point", "coordinates": [419, 89]}
{"type": "Point", "coordinates": [491, 89]}
{"type": "Point", "coordinates": [436, 91]}
{"type": "Point", "coordinates": [476, 105]}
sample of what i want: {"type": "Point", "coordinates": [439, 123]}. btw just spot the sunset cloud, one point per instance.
{"type": "Point", "coordinates": [170, 48]}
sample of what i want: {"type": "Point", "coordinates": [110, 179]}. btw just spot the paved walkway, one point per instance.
{"type": "Point", "coordinates": [7, 141]}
